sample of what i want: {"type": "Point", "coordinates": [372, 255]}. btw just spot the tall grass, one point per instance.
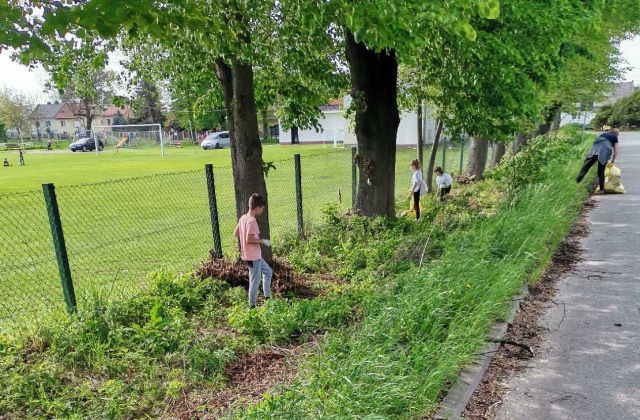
{"type": "Point", "coordinates": [422, 328]}
{"type": "Point", "coordinates": [396, 334]}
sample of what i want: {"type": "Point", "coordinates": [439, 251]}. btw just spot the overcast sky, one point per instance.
{"type": "Point", "coordinates": [31, 81]}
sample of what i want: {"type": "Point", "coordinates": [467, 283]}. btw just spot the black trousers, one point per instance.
{"type": "Point", "coordinates": [416, 204]}
{"type": "Point", "coordinates": [444, 192]}
{"type": "Point", "coordinates": [588, 163]}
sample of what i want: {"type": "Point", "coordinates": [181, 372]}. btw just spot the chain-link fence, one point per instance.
{"type": "Point", "coordinates": [117, 232]}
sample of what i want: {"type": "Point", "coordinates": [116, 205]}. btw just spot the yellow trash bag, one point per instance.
{"type": "Point", "coordinates": [612, 182]}
{"type": "Point", "coordinates": [411, 212]}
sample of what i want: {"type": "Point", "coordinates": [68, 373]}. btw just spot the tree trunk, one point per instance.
{"type": "Point", "coordinates": [499, 149]}
{"type": "Point", "coordinates": [520, 141]}
{"type": "Point", "coordinates": [432, 156]}
{"type": "Point", "coordinates": [478, 150]}
{"type": "Point", "coordinates": [552, 120]}
{"type": "Point", "coordinates": [555, 122]}
{"type": "Point", "coordinates": [374, 79]}
{"type": "Point", "coordinates": [420, 144]}
{"type": "Point", "coordinates": [248, 150]}
{"type": "Point", "coordinates": [225, 76]}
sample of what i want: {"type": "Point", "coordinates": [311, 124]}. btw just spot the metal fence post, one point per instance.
{"type": "Point", "coordinates": [60, 248]}
{"type": "Point", "coordinates": [213, 209]}
{"type": "Point", "coordinates": [461, 155]}
{"type": "Point", "coordinates": [298, 175]}
{"type": "Point", "coordinates": [354, 175]}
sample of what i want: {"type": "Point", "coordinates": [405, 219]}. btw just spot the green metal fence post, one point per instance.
{"type": "Point", "coordinates": [213, 209]}
{"type": "Point", "coordinates": [60, 248]}
{"type": "Point", "coordinates": [298, 176]}
{"type": "Point", "coordinates": [461, 155]}
{"type": "Point", "coordinates": [354, 175]}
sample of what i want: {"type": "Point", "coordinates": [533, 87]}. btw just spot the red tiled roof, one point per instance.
{"type": "Point", "coordinates": [113, 110]}
{"type": "Point", "coordinates": [65, 112]}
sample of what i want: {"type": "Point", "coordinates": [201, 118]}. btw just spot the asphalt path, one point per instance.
{"type": "Point", "coordinates": [589, 365]}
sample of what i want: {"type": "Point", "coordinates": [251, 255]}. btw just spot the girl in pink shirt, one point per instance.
{"type": "Point", "coordinates": [248, 233]}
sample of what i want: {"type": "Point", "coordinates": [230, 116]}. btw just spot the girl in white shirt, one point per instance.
{"type": "Point", "coordinates": [444, 182]}
{"type": "Point", "coordinates": [416, 186]}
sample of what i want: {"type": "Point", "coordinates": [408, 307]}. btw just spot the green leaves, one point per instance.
{"type": "Point", "coordinates": [489, 9]}
{"type": "Point", "coordinates": [469, 32]}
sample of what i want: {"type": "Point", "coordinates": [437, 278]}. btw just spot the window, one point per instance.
{"type": "Point", "coordinates": [108, 121]}
{"type": "Point", "coordinates": [47, 123]}
{"type": "Point", "coordinates": [62, 124]}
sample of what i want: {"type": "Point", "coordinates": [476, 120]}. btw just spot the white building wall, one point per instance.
{"type": "Point", "coordinates": [579, 118]}
{"type": "Point", "coordinates": [333, 128]}
{"type": "Point", "coordinates": [336, 127]}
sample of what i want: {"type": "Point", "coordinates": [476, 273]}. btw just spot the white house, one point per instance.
{"type": "Point", "coordinates": [335, 128]}
{"type": "Point", "coordinates": [44, 124]}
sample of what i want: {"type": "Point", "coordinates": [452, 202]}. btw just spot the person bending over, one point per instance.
{"type": "Point", "coordinates": [603, 150]}
{"type": "Point", "coordinates": [444, 182]}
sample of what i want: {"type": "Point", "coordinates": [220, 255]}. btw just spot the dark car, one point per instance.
{"type": "Point", "coordinates": [86, 144]}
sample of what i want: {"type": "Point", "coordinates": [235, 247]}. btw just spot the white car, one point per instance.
{"type": "Point", "coordinates": [216, 140]}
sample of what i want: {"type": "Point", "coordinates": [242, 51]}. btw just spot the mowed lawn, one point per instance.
{"type": "Point", "coordinates": [63, 167]}
{"type": "Point", "coordinates": [128, 214]}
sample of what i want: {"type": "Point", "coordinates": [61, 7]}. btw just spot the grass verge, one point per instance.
{"type": "Point", "coordinates": [422, 326]}
{"type": "Point", "coordinates": [395, 333]}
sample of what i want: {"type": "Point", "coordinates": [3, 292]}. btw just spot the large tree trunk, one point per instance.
{"type": "Point", "coordinates": [478, 150]}
{"type": "Point", "coordinates": [552, 120]}
{"type": "Point", "coordinates": [556, 118]}
{"type": "Point", "coordinates": [246, 150]}
{"type": "Point", "coordinates": [420, 144]}
{"type": "Point", "coordinates": [225, 76]}
{"type": "Point", "coordinates": [432, 156]}
{"type": "Point", "coordinates": [248, 160]}
{"type": "Point", "coordinates": [521, 140]}
{"type": "Point", "coordinates": [374, 79]}
{"type": "Point", "coordinates": [499, 149]}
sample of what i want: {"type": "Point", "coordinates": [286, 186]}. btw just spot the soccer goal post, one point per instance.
{"type": "Point", "coordinates": [132, 136]}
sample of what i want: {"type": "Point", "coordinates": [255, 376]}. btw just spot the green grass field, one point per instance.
{"type": "Point", "coordinates": [127, 214]}
{"type": "Point", "coordinates": [62, 167]}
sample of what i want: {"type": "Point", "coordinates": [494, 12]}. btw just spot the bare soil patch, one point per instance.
{"type": "Point", "coordinates": [248, 379]}
{"type": "Point", "coordinates": [525, 328]}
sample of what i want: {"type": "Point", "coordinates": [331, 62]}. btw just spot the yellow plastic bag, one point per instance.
{"type": "Point", "coordinates": [612, 182]}
{"type": "Point", "coordinates": [411, 211]}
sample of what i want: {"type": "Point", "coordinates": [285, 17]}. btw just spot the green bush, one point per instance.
{"type": "Point", "coordinates": [532, 163]}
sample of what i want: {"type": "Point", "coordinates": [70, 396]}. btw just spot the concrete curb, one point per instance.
{"type": "Point", "coordinates": [460, 393]}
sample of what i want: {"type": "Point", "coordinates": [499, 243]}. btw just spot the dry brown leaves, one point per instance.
{"type": "Point", "coordinates": [248, 379]}
{"type": "Point", "coordinates": [285, 280]}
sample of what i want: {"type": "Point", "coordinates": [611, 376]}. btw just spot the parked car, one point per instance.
{"type": "Point", "coordinates": [216, 140]}
{"type": "Point", "coordinates": [85, 144]}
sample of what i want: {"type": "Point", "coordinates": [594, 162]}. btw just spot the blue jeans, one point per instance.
{"type": "Point", "coordinates": [258, 270]}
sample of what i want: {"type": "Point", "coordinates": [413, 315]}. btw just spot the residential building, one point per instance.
{"type": "Point", "coordinates": [67, 123]}
{"type": "Point", "coordinates": [111, 115]}
{"type": "Point", "coordinates": [44, 124]}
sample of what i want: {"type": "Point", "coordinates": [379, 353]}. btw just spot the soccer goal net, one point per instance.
{"type": "Point", "coordinates": [133, 136]}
